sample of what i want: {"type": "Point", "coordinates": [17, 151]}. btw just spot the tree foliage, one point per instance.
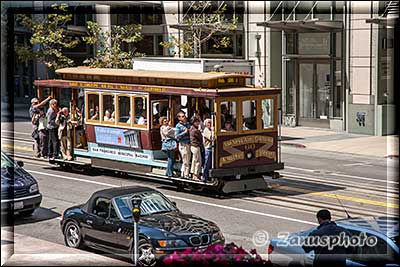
{"type": "Point", "coordinates": [49, 38]}
{"type": "Point", "coordinates": [108, 43]}
{"type": "Point", "coordinates": [201, 24]}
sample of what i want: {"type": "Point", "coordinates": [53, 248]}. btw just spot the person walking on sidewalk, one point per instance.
{"type": "Point", "coordinates": [34, 114]}
{"type": "Point", "coordinates": [324, 255]}
{"type": "Point", "coordinates": [53, 129]}
{"type": "Point", "coordinates": [196, 145]}
{"type": "Point", "coordinates": [64, 123]}
{"type": "Point", "coordinates": [182, 135]}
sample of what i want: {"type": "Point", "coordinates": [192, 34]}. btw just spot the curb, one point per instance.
{"type": "Point", "coordinates": [293, 144]}
{"type": "Point", "coordinates": [392, 156]}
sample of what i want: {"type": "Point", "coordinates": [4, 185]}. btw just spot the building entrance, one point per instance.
{"type": "Point", "coordinates": [314, 88]}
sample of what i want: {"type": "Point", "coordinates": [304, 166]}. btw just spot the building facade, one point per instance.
{"type": "Point", "coordinates": [334, 60]}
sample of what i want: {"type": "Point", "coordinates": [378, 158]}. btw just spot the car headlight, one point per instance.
{"type": "Point", "coordinates": [172, 243]}
{"type": "Point", "coordinates": [33, 188]}
{"type": "Point", "coordinates": [217, 236]}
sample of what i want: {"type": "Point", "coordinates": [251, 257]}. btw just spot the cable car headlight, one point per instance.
{"type": "Point", "coordinates": [249, 155]}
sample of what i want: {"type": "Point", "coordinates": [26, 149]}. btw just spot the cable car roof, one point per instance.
{"type": "Point", "coordinates": [149, 73]}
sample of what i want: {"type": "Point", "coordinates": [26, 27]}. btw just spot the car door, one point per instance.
{"type": "Point", "coordinates": [379, 253]}
{"type": "Point", "coordinates": [124, 233]}
{"type": "Point", "coordinates": [100, 227]}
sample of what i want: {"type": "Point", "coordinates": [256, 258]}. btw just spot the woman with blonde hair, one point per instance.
{"type": "Point", "coordinates": [168, 144]}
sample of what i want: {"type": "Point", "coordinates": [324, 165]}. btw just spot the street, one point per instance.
{"type": "Point", "coordinates": [365, 186]}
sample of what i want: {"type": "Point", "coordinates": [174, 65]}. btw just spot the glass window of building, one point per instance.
{"type": "Point", "coordinates": [249, 115]}
{"type": "Point", "coordinates": [267, 108]}
{"type": "Point", "coordinates": [140, 111]}
{"type": "Point", "coordinates": [108, 108]}
{"type": "Point", "coordinates": [228, 116]}
{"type": "Point", "coordinates": [93, 112]}
{"type": "Point", "coordinates": [314, 43]}
{"type": "Point", "coordinates": [124, 109]}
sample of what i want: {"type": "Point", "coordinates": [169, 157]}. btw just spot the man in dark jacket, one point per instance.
{"type": "Point", "coordinates": [325, 255]}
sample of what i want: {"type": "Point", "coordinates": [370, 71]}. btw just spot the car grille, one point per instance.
{"type": "Point", "coordinates": [200, 240]}
{"type": "Point", "coordinates": [22, 192]}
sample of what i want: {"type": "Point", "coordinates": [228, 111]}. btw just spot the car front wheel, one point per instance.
{"type": "Point", "coordinates": [146, 255]}
{"type": "Point", "coordinates": [72, 235]}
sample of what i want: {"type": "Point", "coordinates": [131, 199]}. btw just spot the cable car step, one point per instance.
{"type": "Point", "coordinates": [80, 161]}
{"type": "Point", "coordinates": [208, 183]}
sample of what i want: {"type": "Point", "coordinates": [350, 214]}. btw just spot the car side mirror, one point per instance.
{"type": "Point", "coordinates": [173, 202]}
{"type": "Point", "coordinates": [20, 163]}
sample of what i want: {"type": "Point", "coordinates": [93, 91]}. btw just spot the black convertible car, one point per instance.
{"type": "Point", "coordinates": [105, 222]}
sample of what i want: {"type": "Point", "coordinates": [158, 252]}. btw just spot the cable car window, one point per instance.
{"type": "Point", "coordinates": [249, 115]}
{"type": "Point", "coordinates": [228, 116]}
{"type": "Point", "coordinates": [267, 107]}
{"type": "Point", "coordinates": [93, 112]}
{"type": "Point", "coordinates": [159, 109]}
{"type": "Point", "coordinates": [108, 108]}
{"type": "Point", "coordinates": [140, 111]}
{"type": "Point", "coordinates": [124, 109]}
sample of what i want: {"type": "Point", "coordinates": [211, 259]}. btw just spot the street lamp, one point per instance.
{"type": "Point", "coordinates": [136, 201]}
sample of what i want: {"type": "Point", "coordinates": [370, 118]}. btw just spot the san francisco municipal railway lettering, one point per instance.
{"type": "Point", "coordinates": [231, 158]}
{"type": "Point", "coordinates": [246, 140]}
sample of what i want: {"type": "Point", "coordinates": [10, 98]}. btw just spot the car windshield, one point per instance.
{"type": "Point", "coordinates": [6, 162]}
{"type": "Point", "coordinates": [152, 203]}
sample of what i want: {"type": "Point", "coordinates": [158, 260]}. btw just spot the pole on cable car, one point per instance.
{"type": "Point", "coordinates": [136, 201]}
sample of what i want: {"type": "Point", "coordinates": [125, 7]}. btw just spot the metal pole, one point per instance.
{"type": "Point", "coordinates": [135, 243]}
{"type": "Point", "coordinates": [214, 133]}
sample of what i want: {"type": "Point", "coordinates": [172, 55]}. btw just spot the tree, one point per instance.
{"type": "Point", "coordinates": [201, 24]}
{"type": "Point", "coordinates": [109, 53]}
{"type": "Point", "coordinates": [49, 38]}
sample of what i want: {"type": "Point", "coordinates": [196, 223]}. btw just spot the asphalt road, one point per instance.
{"type": "Point", "coordinates": [311, 180]}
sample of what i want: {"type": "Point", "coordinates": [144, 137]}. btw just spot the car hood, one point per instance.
{"type": "Point", "coordinates": [179, 223]}
{"type": "Point", "coordinates": [16, 177]}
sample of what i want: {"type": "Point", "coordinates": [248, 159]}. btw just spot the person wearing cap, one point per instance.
{"type": "Point", "coordinates": [34, 114]}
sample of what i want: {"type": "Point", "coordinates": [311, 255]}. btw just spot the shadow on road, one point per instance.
{"type": "Point", "coordinates": [40, 214]}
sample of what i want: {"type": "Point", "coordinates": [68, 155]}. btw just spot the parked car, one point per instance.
{"type": "Point", "coordinates": [105, 222]}
{"type": "Point", "coordinates": [19, 189]}
{"type": "Point", "coordinates": [384, 253]}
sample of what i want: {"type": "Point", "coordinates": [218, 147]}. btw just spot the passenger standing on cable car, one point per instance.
{"type": "Point", "coordinates": [208, 139]}
{"type": "Point", "coordinates": [183, 138]}
{"type": "Point", "coordinates": [196, 146]}
{"type": "Point", "coordinates": [64, 123]}
{"type": "Point", "coordinates": [168, 144]}
{"type": "Point", "coordinates": [53, 129]}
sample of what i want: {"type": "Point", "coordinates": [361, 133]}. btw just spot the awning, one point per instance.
{"type": "Point", "coordinates": [314, 25]}
{"type": "Point", "coordinates": [385, 21]}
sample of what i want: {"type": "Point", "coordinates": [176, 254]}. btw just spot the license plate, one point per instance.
{"type": "Point", "coordinates": [18, 205]}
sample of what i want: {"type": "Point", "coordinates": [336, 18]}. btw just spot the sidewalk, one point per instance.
{"type": "Point", "coordinates": [328, 140]}
{"type": "Point", "coordinates": [20, 250]}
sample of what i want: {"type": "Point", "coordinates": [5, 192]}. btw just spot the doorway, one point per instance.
{"type": "Point", "coordinates": [314, 86]}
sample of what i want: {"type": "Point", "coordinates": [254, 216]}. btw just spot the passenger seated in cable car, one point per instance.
{"type": "Point", "coordinates": [107, 116]}
{"type": "Point", "coordinates": [228, 127]}
{"type": "Point", "coordinates": [94, 113]}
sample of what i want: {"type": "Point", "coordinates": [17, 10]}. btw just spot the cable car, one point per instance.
{"type": "Point", "coordinates": [115, 113]}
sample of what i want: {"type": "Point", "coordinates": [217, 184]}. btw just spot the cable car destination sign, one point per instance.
{"type": "Point", "coordinates": [251, 146]}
